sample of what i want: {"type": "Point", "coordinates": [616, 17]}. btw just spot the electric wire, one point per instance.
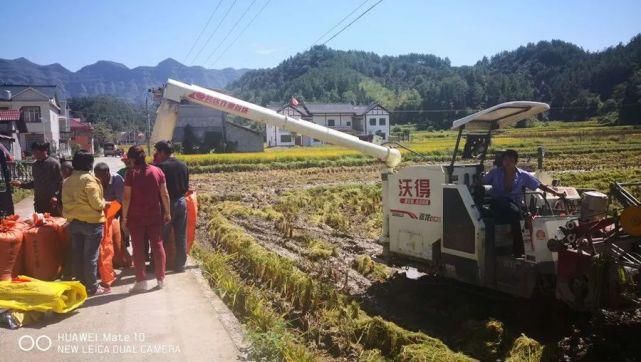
{"type": "Point", "coordinates": [340, 22]}
{"type": "Point", "coordinates": [230, 31]}
{"type": "Point", "coordinates": [215, 30]}
{"type": "Point", "coordinates": [241, 33]}
{"type": "Point", "coordinates": [353, 21]}
{"type": "Point", "coordinates": [202, 31]}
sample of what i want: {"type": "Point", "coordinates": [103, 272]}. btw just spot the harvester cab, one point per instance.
{"type": "Point", "coordinates": [439, 214]}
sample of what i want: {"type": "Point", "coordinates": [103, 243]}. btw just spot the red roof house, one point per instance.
{"type": "Point", "coordinates": [82, 134]}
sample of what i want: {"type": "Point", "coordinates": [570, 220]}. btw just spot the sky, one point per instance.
{"type": "Point", "coordinates": [76, 33]}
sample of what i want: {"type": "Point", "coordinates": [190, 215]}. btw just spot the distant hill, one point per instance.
{"type": "Point", "coordinates": [427, 89]}
{"type": "Point", "coordinates": [110, 78]}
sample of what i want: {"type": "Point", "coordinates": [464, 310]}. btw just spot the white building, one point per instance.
{"type": "Point", "coordinates": [44, 115]}
{"type": "Point", "coordinates": [361, 121]}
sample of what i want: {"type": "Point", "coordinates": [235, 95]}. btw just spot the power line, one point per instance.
{"type": "Point", "coordinates": [215, 30]}
{"type": "Point", "coordinates": [352, 22]}
{"type": "Point", "coordinates": [241, 33]}
{"type": "Point", "coordinates": [203, 31]}
{"type": "Point", "coordinates": [340, 22]}
{"type": "Point", "coordinates": [230, 31]}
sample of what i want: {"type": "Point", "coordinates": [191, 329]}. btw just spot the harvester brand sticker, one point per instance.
{"type": "Point", "coordinates": [217, 102]}
{"type": "Point", "coordinates": [421, 216]}
{"type": "Point", "coordinates": [414, 192]}
{"type": "Point", "coordinates": [402, 213]}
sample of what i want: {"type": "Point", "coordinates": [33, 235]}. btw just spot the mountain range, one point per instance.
{"type": "Point", "coordinates": [110, 78]}
{"type": "Point", "coordinates": [428, 90]}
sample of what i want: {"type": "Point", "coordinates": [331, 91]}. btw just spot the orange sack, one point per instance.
{"type": "Point", "coordinates": [18, 267]}
{"type": "Point", "coordinates": [10, 245]}
{"type": "Point", "coordinates": [106, 250]}
{"type": "Point", "coordinates": [12, 222]}
{"type": "Point", "coordinates": [43, 248]}
{"type": "Point", "coordinates": [192, 218]}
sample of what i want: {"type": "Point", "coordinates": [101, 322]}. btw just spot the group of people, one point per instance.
{"type": "Point", "coordinates": [152, 198]}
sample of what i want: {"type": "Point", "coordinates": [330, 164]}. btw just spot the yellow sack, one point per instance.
{"type": "Point", "coordinates": [28, 294]}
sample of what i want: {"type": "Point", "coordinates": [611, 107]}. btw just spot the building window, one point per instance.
{"type": "Point", "coordinates": [381, 121]}
{"type": "Point", "coordinates": [372, 121]}
{"type": "Point", "coordinates": [285, 138]}
{"type": "Point", "coordinates": [331, 123]}
{"type": "Point", "coordinates": [30, 114]}
{"type": "Point", "coordinates": [348, 123]}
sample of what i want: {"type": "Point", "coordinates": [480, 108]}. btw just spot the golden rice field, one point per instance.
{"type": "Point", "coordinates": [583, 140]}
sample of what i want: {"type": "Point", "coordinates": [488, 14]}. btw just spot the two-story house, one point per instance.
{"type": "Point", "coordinates": [361, 121]}
{"type": "Point", "coordinates": [40, 110]}
{"type": "Point", "coordinates": [11, 125]}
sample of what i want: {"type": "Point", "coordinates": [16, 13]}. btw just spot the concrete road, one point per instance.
{"type": "Point", "coordinates": [114, 163]}
{"type": "Point", "coordinates": [182, 322]}
{"type": "Point", "coordinates": [185, 321]}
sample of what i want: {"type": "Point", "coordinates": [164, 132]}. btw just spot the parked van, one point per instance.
{"type": "Point", "coordinates": [109, 149]}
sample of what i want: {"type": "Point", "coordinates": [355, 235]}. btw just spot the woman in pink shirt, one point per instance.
{"type": "Point", "coordinates": [145, 210]}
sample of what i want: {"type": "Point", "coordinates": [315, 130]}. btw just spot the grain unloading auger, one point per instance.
{"type": "Point", "coordinates": [174, 92]}
{"type": "Point", "coordinates": [437, 217]}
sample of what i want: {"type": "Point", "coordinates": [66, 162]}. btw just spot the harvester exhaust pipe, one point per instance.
{"type": "Point", "coordinates": [175, 92]}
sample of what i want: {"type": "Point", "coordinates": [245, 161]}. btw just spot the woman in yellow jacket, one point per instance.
{"type": "Point", "coordinates": [84, 206]}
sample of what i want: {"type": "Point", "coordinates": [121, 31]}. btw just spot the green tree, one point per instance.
{"type": "Point", "coordinates": [630, 111]}
{"type": "Point", "coordinates": [431, 92]}
{"type": "Point", "coordinates": [102, 134]}
{"type": "Point", "coordinates": [118, 114]}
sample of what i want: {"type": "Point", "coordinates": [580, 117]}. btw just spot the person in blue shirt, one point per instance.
{"type": "Point", "coordinates": [508, 183]}
{"type": "Point", "coordinates": [113, 184]}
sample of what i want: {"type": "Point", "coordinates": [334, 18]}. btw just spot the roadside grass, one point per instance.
{"type": "Point", "coordinates": [18, 194]}
{"type": "Point", "coordinates": [266, 328]}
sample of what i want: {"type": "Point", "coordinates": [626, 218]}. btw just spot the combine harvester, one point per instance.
{"type": "Point", "coordinates": [437, 217]}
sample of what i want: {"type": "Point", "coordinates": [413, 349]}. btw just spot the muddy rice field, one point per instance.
{"type": "Point", "coordinates": [324, 224]}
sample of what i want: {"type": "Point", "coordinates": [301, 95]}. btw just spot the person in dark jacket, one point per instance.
{"type": "Point", "coordinates": [47, 180]}
{"type": "Point", "coordinates": [177, 178]}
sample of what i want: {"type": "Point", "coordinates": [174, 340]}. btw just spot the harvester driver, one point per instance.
{"type": "Point", "coordinates": [508, 183]}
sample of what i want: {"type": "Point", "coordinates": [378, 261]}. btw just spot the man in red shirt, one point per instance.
{"type": "Point", "coordinates": [145, 210]}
